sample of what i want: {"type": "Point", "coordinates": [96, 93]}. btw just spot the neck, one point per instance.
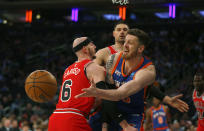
{"type": "Point", "coordinates": [83, 57]}
{"type": "Point", "coordinates": [118, 46]}
{"type": "Point", "coordinates": [131, 64]}
{"type": "Point", "coordinates": [199, 93]}
{"type": "Point", "coordinates": [156, 105]}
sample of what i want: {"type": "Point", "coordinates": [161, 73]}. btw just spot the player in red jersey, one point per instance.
{"type": "Point", "coordinates": [119, 33]}
{"type": "Point", "coordinates": [198, 99]}
{"type": "Point", "coordinates": [70, 113]}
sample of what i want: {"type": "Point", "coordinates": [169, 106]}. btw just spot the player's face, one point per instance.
{"type": "Point", "coordinates": [155, 101]}
{"type": "Point", "coordinates": [198, 83]}
{"type": "Point", "coordinates": [132, 47]}
{"type": "Point", "coordinates": [91, 50]}
{"type": "Point", "coordinates": [120, 32]}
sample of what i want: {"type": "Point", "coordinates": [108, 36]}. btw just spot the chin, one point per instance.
{"type": "Point", "coordinates": [125, 56]}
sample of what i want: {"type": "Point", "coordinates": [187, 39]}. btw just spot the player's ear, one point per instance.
{"type": "Point", "coordinates": [113, 33]}
{"type": "Point", "coordinates": [84, 49]}
{"type": "Point", "coordinates": [141, 48]}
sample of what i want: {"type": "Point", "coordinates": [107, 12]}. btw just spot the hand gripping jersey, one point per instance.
{"type": "Point", "coordinates": [199, 105]}
{"type": "Point", "coordinates": [159, 119]}
{"type": "Point", "coordinates": [70, 112]}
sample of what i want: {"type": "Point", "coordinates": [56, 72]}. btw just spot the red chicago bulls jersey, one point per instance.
{"type": "Point", "coordinates": [112, 50]}
{"type": "Point", "coordinates": [74, 80]}
{"type": "Point", "coordinates": [199, 104]}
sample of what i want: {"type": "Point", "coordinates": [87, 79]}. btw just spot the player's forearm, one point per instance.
{"type": "Point", "coordinates": [124, 124]}
{"type": "Point", "coordinates": [122, 92]}
{"type": "Point", "coordinates": [112, 94]}
{"type": "Point", "coordinates": [104, 126]}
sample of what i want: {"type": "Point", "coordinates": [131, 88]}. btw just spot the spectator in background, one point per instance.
{"type": "Point", "coordinates": [14, 125]}
{"type": "Point", "coordinates": [6, 125]}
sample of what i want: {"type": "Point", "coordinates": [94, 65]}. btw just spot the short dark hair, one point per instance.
{"type": "Point", "coordinates": [143, 37]}
{"type": "Point", "coordinates": [120, 22]}
{"type": "Point", "coordinates": [199, 74]}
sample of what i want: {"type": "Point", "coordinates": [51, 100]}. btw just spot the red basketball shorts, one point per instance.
{"type": "Point", "coordinates": [68, 122]}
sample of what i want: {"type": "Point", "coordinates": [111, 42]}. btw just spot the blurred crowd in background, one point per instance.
{"type": "Point", "coordinates": [176, 51]}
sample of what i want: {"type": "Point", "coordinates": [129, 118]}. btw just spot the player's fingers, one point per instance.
{"type": "Point", "coordinates": [178, 96]}
{"type": "Point", "coordinates": [184, 104]}
{"type": "Point", "coordinates": [183, 108]}
{"type": "Point", "coordinates": [81, 95]}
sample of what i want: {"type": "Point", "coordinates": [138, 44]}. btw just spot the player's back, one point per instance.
{"type": "Point", "coordinates": [74, 80]}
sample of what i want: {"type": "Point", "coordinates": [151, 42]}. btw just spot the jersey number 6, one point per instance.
{"type": "Point", "coordinates": [66, 90]}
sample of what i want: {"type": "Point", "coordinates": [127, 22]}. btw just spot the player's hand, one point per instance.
{"type": "Point", "coordinates": [89, 92]}
{"type": "Point", "coordinates": [130, 128]}
{"type": "Point", "coordinates": [177, 103]}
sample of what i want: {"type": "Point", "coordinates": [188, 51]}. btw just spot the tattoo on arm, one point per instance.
{"type": "Point", "coordinates": [109, 64]}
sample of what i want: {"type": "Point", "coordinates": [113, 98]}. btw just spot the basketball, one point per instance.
{"type": "Point", "coordinates": [41, 86]}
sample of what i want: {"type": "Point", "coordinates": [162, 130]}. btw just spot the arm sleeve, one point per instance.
{"type": "Point", "coordinates": [155, 92]}
{"type": "Point", "coordinates": [109, 109]}
{"type": "Point", "coordinates": [110, 112]}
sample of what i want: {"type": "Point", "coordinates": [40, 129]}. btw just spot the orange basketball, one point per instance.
{"type": "Point", "coordinates": [41, 86]}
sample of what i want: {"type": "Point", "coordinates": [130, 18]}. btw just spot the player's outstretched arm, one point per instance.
{"type": "Point", "coordinates": [177, 103]}
{"type": "Point", "coordinates": [143, 78]}
{"type": "Point", "coordinates": [174, 102]}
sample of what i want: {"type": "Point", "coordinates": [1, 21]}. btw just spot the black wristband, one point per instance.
{"type": "Point", "coordinates": [101, 85]}
{"type": "Point", "coordinates": [104, 85]}
{"type": "Point", "coordinates": [110, 86]}
{"type": "Point", "coordinates": [155, 92]}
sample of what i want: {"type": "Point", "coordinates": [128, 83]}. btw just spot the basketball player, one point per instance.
{"type": "Point", "coordinates": [119, 33]}
{"type": "Point", "coordinates": [132, 73]}
{"type": "Point", "coordinates": [71, 113]}
{"type": "Point", "coordinates": [157, 116]}
{"type": "Point", "coordinates": [198, 99]}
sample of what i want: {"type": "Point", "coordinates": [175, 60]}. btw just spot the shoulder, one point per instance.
{"type": "Point", "coordinates": [166, 108]}
{"type": "Point", "coordinates": [112, 59]}
{"type": "Point", "coordinates": [95, 72]}
{"type": "Point", "coordinates": [92, 67]}
{"type": "Point", "coordinates": [103, 51]}
{"type": "Point", "coordinates": [102, 56]}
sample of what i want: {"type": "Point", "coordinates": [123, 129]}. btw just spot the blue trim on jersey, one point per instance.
{"type": "Point", "coordinates": [136, 101]}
